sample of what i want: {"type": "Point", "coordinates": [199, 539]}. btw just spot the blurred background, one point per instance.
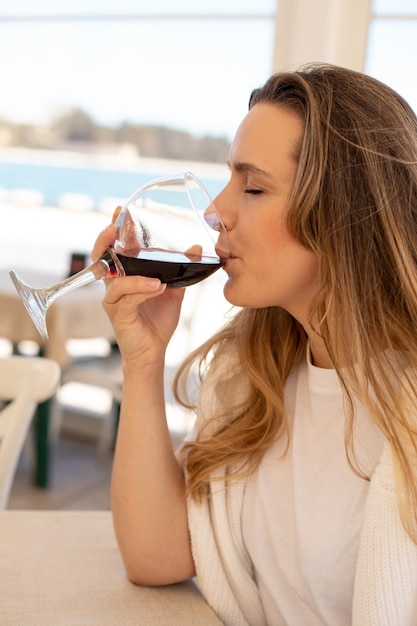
{"type": "Point", "coordinates": [98, 97]}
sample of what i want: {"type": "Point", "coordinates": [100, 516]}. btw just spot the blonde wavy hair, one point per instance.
{"type": "Point", "coordinates": [354, 204]}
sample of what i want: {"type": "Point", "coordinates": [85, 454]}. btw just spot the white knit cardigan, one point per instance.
{"type": "Point", "coordinates": [385, 591]}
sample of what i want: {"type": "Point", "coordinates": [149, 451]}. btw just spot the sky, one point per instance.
{"type": "Point", "coordinates": [195, 75]}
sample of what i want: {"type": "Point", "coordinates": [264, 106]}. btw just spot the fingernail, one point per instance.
{"type": "Point", "coordinates": [153, 283]}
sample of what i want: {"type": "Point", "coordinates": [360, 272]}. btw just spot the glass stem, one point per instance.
{"type": "Point", "coordinates": [106, 266]}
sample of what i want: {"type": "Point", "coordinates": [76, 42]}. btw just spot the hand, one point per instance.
{"type": "Point", "coordinates": [143, 312]}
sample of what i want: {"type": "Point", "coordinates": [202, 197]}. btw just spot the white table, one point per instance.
{"type": "Point", "coordinates": [63, 568]}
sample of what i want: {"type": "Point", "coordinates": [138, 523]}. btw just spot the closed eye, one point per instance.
{"type": "Point", "coordinates": [254, 192]}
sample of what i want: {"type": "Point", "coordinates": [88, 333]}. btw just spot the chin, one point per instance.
{"type": "Point", "coordinates": [241, 298]}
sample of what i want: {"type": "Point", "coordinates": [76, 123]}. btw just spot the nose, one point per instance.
{"type": "Point", "coordinates": [212, 218]}
{"type": "Point", "coordinates": [223, 203]}
{"type": "Point", "coordinates": [216, 215]}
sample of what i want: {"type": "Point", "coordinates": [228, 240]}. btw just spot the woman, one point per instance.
{"type": "Point", "coordinates": [295, 502]}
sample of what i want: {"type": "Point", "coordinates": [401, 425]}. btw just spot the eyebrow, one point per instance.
{"type": "Point", "coordinates": [252, 169]}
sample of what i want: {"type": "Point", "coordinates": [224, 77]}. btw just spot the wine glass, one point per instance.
{"type": "Point", "coordinates": [165, 230]}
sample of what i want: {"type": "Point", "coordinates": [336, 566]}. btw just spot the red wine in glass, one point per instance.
{"type": "Point", "coordinates": [173, 268]}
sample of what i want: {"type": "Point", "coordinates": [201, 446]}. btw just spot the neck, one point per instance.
{"type": "Point", "coordinates": [319, 355]}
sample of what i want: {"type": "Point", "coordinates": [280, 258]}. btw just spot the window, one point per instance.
{"type": "Point", "coordinates": [392, 46]}
{"type": "Point", "coordinates": [185, 64]}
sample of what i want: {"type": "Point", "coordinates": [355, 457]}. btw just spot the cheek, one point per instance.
{"type": "Point", "coordinates": [298, 261]}
{"type": "Point", "coordinates": [295, 270]}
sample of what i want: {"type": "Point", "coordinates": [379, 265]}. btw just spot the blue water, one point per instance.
{"type": "Point", "coordinates": [55, 180]}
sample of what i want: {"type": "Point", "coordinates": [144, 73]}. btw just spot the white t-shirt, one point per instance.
{"type": "Point", "coordinates": [303, 512]}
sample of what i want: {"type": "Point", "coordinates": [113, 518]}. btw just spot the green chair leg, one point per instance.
{"type": "Point", "coordinates": [42, 445]}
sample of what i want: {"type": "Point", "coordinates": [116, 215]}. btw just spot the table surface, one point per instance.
{"type": "Point", "coordinates": [77, 315]}
{"type": "Point", "coordinates": [63, 568]}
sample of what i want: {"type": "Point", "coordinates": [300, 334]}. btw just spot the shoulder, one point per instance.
{"type": "Point", "coordinates": [383, 477]}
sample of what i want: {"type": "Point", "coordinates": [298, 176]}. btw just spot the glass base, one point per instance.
{"type": "Point", "coordinates": [34, 304]}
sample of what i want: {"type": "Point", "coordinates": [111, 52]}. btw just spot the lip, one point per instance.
{"type": "Point", "coordinates": [222, 254]}
{"type": "Point", "coordinates": [225, 257]}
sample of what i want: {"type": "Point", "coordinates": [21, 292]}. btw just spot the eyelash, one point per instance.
{"type": "Point", "coordinates": [254, 192]}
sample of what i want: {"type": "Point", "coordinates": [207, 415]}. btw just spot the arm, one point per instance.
{"type": "Point", "coordinates": [148, 487]}
{"type": "Point", "coordinates": [148, 491]}
{"type": "Point", "coordinates": [386, 572]}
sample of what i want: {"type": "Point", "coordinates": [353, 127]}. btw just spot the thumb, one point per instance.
{"type": "Point", "coordinates": [104, 240]}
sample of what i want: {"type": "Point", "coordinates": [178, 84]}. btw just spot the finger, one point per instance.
{"type": "Point", "coordinates": [194, 253]}
{"type": "Point", "coordinates": [133, 285]}
{"type": "Point", "coordinates": [116, 214]}
{"type": "Point", "coordinates": [103, 241]}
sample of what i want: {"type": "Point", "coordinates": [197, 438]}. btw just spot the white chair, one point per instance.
{"type": "Point", "coordinates": [24, 383]}
{"type": "Point", "coordinates": [91, 387]}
